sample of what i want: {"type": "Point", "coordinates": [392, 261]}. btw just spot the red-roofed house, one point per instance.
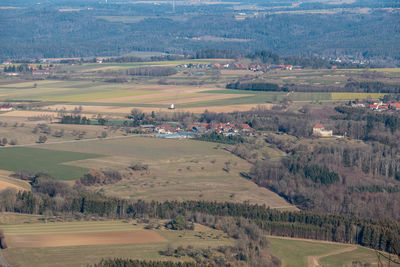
{"type": "Point", "coordinates": [395, 106]}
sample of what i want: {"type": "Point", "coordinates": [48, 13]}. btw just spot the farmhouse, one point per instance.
{"type": "Point", "coordinates": [379, 106]}
{"type": "Point", "coordinates": [165, 129]}
{"type": "Point", "coordinates": [319, 130]}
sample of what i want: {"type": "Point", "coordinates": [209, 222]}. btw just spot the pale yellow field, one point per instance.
{"type": "Point", "coordinates": [127, 110]}
{"type": "Point", "coordinates": [7, 181]}
{"type": "Point", "coordinates": [346, 96]}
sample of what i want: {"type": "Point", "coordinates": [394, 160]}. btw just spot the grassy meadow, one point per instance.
{"type": "Point", "coordinates": [303, 253]}
{"type": "Point", "coordinates": [178, 170]}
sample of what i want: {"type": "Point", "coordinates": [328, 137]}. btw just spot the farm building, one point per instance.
{"type": "Point", "coordinates": [319, 130]}
{"type": "Point", "coordinates": [6, 108]}
{"type": "Point", "coordinates": [379, 106]}
{"type": "Point", "coordinates": [394, 106]}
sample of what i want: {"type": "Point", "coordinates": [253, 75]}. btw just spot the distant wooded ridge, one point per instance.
{"type": "Point", "coordinates": [92, 29]}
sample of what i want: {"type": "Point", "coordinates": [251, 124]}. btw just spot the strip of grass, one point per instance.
{"type": "Point", "coordinates": [99, 95]}
{"type": "Point", "coordinates": [310, 96]}
{"type": "Point", "coordinates": [43, 160]}
{"type": "Point", "coordinates": [230, 91]}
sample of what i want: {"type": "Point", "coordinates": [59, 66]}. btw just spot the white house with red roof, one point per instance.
{"type": "Point", "coordinates": [319, 130]}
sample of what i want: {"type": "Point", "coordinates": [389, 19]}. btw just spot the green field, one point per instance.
{"type": "Point", "coordinates": [299, 253]}
{"type": "Point", "coordinates": [42, 160]}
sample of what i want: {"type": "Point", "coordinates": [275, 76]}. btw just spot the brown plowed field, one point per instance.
{"type": "Point", "coordinates": [83, 239]}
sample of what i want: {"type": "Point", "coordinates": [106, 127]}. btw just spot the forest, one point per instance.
{"type": "Point", "coordinates": [93, 30]}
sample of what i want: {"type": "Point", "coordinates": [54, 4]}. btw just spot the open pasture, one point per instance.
{"type": "Point", "coordinates": [311, 253]}
{"type": "Point", "coordinates": [178, 170]}
{"type": "Point", "coordinates": [87, 242]}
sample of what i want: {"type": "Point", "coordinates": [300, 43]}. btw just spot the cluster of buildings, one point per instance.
{"type": "Point", "coordinates": [381, 106]}
{"type": "Point", "coordinates": [46, 70]}
{"type": "Point", "coordinates": [240, 66]}
{"type": "Point", "coordinates": [350, 59]}
{"type": "Point", "coordinates": [169, 131]}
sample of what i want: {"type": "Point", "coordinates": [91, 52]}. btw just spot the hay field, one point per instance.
{"type": "Point", "coordinates": [178, 170]}
{"type": "Point", "coordinates": [6, 181]}
{"type": "Point", "coordinates": [39, 242]}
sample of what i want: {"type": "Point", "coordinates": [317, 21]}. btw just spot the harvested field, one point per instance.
{"type": "Point", "coordinates": [126, 110]}
{"type": "Point", "coordinates": [13, 183]}
{"type": "Point", "coordinates": [83, 239]}
{"type": "Point", "coordinates": [6, 181]}
{"type": "Point", "coordinates": [131, 241]}
{"type": "Point", "coordinates": [352, 96]}
{"type": "Point", "coordinates": [27, 114]}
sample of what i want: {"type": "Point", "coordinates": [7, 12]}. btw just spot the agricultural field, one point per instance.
{"type": "Point", "coordinates": [78, 243]}
{"type": "Point", "coordinates": [7, 181]}
{"type": "Point", "coordinates": [309, 253]}
{"type": "Point", "coordinates": [40, 160]}
{"type": "Point", "coordinates": [190, 89]}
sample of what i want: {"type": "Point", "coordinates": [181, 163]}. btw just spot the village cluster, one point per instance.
{"type": "Point", "coordinates": [240, 66]}
{"type": "Point", "coordinates": [195, 130]}
{"type": "Point", "coordinates": [377, 106]}
{"type": "Point", "coordinates": [12, 70]}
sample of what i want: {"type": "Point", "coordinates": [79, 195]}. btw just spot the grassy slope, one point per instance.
{"type": "Point", "coordinates": [295, 253]}
{"type": "Point", "coordinates": [178, 169]}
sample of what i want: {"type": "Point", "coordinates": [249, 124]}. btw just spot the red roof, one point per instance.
{"type": "Point", "coordinates": [245, 126]}
{"type": "Point", "coordinates": [318, 126]}
{"type": "Point", "coordinates": [164, 126]}
{"type": "Point", "coordinates": [395, 105]}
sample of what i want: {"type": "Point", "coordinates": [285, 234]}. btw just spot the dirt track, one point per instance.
{"type": "Point", "coordinates": [313, 261]}
{"type": "Point", "coordinates": [85, 239]}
